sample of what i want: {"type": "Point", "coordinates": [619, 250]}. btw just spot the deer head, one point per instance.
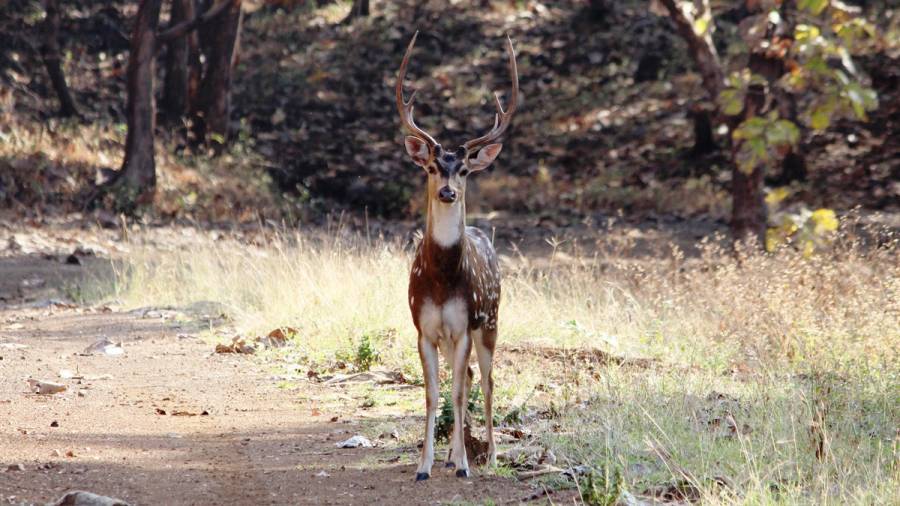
{"type": "Point", "coordinates": [447, 169]}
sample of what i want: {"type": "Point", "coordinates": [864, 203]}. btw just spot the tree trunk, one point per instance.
{"type": "Point", "coordinates": [135, 184]}
{"type": "Point", "coordinates": [176, 86]}
{"type": "Point", "coordinates": [749, 213]}
{"type": "Point", "coordinates": [219, 41]}
{"type": "Point", "coordinates": [704, 140]}
{"type": "Point", "coordinates": [701, 48]}
{"type": "Point", "coordinates": [748, 210]}
{"type": "Point", "coordinates": [50, 55]}
{"type": "Point", "coordinates": [748, 206]}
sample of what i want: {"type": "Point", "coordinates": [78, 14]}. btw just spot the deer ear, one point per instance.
{"type": "Point", "coordinates": [418, 150]}
{"type": "Point", "coordinates": [485, 157]}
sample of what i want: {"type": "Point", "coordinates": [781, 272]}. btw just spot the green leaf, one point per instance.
{"type": "Point", "coordinates": [861, 99]}
{"type": "Point", "coordinates": [782, 132]}
{"type": "Point", "coordinates": [758, 145]}
{"type": "Point", "coordinates": [731, 101]}
{"type": "Point", "coordinates": [820, 118]}
{"type": "Point", "coordinates": [750, 129]}
{"type": "Point", "coordinates": [814, 6]}
{"type": "Point", "coordinates": [806, 33]}
{"type": "Point", "coordinates": [817, 65]}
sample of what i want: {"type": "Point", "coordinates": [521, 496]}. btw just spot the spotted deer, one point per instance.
{"type": "Point", "coordinates": [454, 286]}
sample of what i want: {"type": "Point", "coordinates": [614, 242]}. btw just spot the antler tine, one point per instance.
{"type": "Point", "coordinates": [406, 107]}
{"type": "Point", "coordinates": [503, 117]}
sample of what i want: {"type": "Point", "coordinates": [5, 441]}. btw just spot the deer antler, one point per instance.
{"type": "Point", "coordinates": [502, 118]}
{"type": "Point", "coordinates": [406, 107]}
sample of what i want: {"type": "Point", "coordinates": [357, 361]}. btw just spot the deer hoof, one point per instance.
{"type": "Point", "coordinates": [422, 476]}
{"type": "Point", "coordinates": [449, 465]}
{"type": "Point", "coordinates": [462, 473]}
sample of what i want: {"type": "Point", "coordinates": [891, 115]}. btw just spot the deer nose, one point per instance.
{"type": "Point", "coordinates": [447, 195]}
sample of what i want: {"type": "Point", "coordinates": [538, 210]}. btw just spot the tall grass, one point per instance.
{"type": "Point", "coordinates": [776, 376]}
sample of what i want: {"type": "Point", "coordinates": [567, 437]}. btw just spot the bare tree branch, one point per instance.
{"type": "Point", "coordinates": [701, 46]}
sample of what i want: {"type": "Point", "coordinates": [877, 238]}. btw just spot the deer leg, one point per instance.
{"type": "Point", "coordinates": [460, 401]}
{"type": "Point", "coordinates": [446, 347]}
{"type": "Point", "coordinates": [449, 462]}
{"type": "Point", "coordinates": [485, 365]}
{"type": "Point", "coordinates": [429, 356]}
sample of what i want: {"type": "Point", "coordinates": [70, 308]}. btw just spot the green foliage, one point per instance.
{"type": "Point", "coordinates": [820, 66]}
{"type": "Point", "coordinates": [731, 99]}
{"type": "Point", "coordinates": [444, 424]}
{"type": "Point", "coordinates": [814, 6]}
{"type": "Point", "coordinates": [600, 487]}
{"type": "Point", "coordinates": [764, 139]}
{"type": "Point", "coordinates": [366, 354]}
{"type": "Point", "coordinates": [798, 226]}
{"type": "Point", "coordinates": [823, 53]}
{"type": "Point", "coordinates": [363, 357]}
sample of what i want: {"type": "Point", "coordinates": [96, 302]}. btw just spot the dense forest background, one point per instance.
{"type": "Point", "coordinates": [284, 110]}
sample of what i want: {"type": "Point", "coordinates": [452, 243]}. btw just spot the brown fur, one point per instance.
{"type": "Point", "coordinates": [469, 269]}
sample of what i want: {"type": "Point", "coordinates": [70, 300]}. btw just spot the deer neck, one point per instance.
{"type": "Point", "coordinates": [445, 229]}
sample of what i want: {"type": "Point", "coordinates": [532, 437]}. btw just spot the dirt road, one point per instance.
{"type": "Point", "coordinates": [169, 422]}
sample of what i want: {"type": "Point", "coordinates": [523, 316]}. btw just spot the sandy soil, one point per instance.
{"type": "Point", "coordinates": [257, 444]}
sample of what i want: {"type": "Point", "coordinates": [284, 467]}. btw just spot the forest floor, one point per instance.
{"type": "Point", "coordinates": [643, 358]}
{"type": "Point", "coordinates": [171, 422]}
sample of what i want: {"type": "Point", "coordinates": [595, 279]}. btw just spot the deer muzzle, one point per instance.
{"type": "Point", "coordinates": [447, 195]}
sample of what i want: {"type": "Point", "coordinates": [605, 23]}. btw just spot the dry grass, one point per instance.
{"type": "Point", "coordinates": [776, 379]}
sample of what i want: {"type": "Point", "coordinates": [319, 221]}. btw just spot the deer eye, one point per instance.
{"type": "Point", "coordinates": [464, 172]}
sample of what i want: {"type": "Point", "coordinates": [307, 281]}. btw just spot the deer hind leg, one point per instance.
{"type": "Point", "coordinates": [484, 349]}
{"type": "Point", "coordinates": [429, 356]}
{"type": "Point", "coordinates": [460, 397]}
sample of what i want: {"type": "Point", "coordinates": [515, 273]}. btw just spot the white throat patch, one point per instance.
{"type": "Point", "coordinates": [446, 223]}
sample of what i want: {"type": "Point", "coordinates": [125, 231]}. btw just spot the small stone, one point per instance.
{"type": "Point", "coordinates": [81, 498]}
{"type": "Point", "coordinates": [355, 442]}
{"type": "Point", "coordinates": [15, 467]}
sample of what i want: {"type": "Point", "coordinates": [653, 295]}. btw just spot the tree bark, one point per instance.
{"type": "Point", "coordinates": [219, 42]}
{"type": "Point", "coordinates": [50, 54]}
{"type": "Point", "coordinates": [135, 184]}
{"type": "Point", "coordinates": [748, 206]}
{"type": "Point", "coordinates": [176, 85]}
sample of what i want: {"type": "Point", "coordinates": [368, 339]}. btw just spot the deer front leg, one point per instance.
{"type": "Point", "coordinates": [429, 356]}
{"type": "Point", "coordinates": [460, 402]}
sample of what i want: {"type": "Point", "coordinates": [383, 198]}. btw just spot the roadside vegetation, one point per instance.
{"type": "Point", "coordinates": [728, 378]}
